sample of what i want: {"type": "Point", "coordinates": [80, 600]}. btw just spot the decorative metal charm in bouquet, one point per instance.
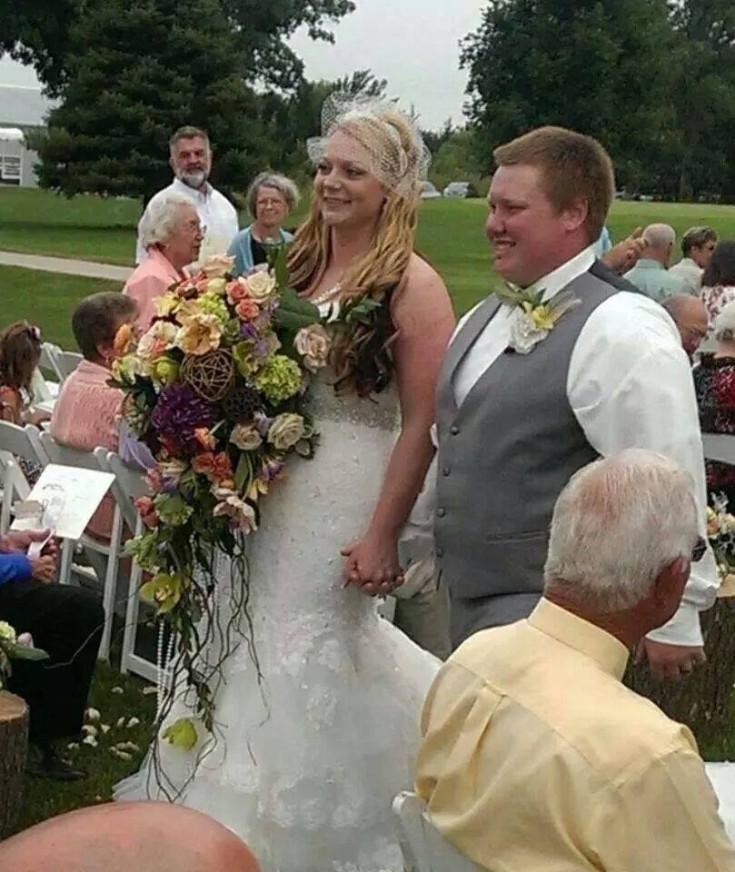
{"type": "Point", "coordinates": [216, 389]}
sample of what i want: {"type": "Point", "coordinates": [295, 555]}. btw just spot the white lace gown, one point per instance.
{"type": "Point", "coordinates": [307, 764]}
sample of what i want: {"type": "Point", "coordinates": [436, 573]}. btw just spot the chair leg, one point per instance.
{"type": "Point", "coordinates": [67, 552]}
{"type": "Point", "coordinates": [131, 618]}
{"type": "Point", "coordinates": [108, 596]}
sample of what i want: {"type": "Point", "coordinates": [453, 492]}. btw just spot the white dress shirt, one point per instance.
{"type": "Point", "coordinates": [629, 386]}
{"type": "Point", "coordinates": [217, 216]}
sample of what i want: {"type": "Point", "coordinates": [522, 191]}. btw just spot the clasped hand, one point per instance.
{"type": "Point", "coordinates": [43, 567]}
{"type": "Point", "coordinates": [372, 564]}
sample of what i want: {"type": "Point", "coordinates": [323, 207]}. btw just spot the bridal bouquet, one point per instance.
{"type": "Point", "coordinates": [215, 389]}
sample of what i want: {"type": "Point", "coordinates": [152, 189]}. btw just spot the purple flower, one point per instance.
{"type": "Point", "coordinates": [248, 330]}
{"type": "Point", "coordinates": [168, 485]}
{"type": "Point", "coordinates": [179, 411]}
{"type": "Point", "coordinates": [271, 469]}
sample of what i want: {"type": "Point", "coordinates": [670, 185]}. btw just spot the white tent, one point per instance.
{"type": "Point", "coordinates": [12, 150]}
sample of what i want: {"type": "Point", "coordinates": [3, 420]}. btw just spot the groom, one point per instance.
{"type": "Point", "coordinates": [514, 425]}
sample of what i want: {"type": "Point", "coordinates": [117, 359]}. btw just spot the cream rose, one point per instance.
{"type": "Point", "coordinates": [285, 431]}
{"type": "Point", "coordinates": [217, 266]}
{"type": "Point", "coordinates": [199, 334]}
{"type": "Point", "coordinates": [261, 286]}
{"type": "Point", "coordinates": [166, 305]}
{"type": "Point", "coordinates": [246, 437]}
{"type": "Point", "coordinates": [314, 343]}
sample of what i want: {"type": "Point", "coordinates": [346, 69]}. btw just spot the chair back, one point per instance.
{"type": "Point", "coordinates": [67, 456]}
{"type": "Point", "coordinates": [22, 442]}
{"type": "Point", "coordinates": [129, 484]}
{"type": "Point", "coordinates": [50, 359]}
{"type": "Point", "coordinates": [719, 446]}
{"type": "Point", "coordinates": [424, 847]}
{"type": "Point", "coordinates": [67, 362]}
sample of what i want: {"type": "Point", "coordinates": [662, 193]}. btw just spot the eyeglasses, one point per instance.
{"type": "Point", "coordinates": [699, 550]}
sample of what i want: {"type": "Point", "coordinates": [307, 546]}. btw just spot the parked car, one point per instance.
{"type": "Point", "coordinates": [428, 191]}
{"type": "Point", "coordinates": [461, 190]}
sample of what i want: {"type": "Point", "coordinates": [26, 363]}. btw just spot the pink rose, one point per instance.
{"type": "Point", "coordinates": [247, 309]}
{"type": "Point", "coordinates": [236, 290]}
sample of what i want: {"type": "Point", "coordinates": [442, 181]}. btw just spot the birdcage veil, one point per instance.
{"type": "Point", "coordinates": [399, 159]}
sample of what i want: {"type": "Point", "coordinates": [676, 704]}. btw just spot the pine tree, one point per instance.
{"type": "Point", "coordinates": [138, 69]}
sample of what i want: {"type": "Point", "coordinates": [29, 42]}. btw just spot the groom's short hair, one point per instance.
{"type": "Point", "coordinates": [574, 166]}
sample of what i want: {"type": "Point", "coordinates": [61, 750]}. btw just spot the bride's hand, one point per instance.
{"type": "Point", "coordinates": [372, 564]}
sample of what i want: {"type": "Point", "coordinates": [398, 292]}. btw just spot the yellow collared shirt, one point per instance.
{"type": "Point", "coordinates": [536, 758]}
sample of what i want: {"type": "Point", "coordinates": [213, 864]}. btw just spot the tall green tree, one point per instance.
{"type": "Point", "coordinates": [599, 66]}
{"type": "Point", "coordinates": [39, 32]}
{"type": "Point", "coordinates": [703, 97]}
{"type": "Point", "coordinates": [137, 70]}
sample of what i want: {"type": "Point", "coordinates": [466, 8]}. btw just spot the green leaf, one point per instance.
{"type": "Point", "coordinates": [294, 312]}
{"type": "Point", "coordinates": [243, 472]}
{"type": "Point", "coordinates": [23, 652]}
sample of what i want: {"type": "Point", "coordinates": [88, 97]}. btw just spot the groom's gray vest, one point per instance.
{"type": "Point", "coordinates": [504, 456]}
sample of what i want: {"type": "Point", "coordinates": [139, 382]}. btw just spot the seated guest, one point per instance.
{"type": "Point", "coordinates": [20, 353]}
{"type": "Point", "coordinates": [718, 281]}
{"type": "Point", "coordinates": [697, 246]}
{"type": "Point", "coordinates": [650, 274]}
{"type": "Point", "coordinates": [714, 383]}
{"type": "Point", "coordinates": [88, 411]}
{"type": "Point", "coordinates": [270, 198]}
{"type": "Point", "coordinates": [691, 320]}
{"type": "Point", "coordinates": [535, 755]}
{"type": "Point", "coordinates": [171, 234]}
{"type": "Point", "coordinates": [66, 622]}
{"type": "Point", "coordinates": [139, 836]}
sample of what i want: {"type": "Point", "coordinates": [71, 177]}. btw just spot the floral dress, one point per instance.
{"type": "Point", "coordinates": [716, 298]}
{"type": "Point", "coordinates": [714, 382]}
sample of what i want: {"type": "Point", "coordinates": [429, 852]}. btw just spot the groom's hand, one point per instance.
{"type": "Point", "coordinates": [372, 564]}
{"type": "Point", "coordinates": [671, 661]}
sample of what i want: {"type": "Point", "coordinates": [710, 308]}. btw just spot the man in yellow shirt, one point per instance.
{"type": "Point", "coordinates": [535, 756]}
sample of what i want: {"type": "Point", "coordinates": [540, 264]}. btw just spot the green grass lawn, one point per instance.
{"type": "Point", "coordinates": [451, 236]}
{"type": "Point", "coordinates": [115, 697]}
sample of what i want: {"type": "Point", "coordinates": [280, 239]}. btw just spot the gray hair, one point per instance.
{"type": "Point", "coordinates": [187, 132]}
{"type": "Point", "coordinates": [161, 218]}
{"type": "Point", "coordinates": [724, 328]}
{"type": "Point", "coordinates": [660, 236]}
{"type": "Point", "coordinates": [696, 237]}
{"type": "Point", "coordinates": [282, 184]}
{"type": "Point", "coordinates": [616, 525]}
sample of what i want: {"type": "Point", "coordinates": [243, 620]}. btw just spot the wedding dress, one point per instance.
{"type": "Point", "coordinates": [309, 761]}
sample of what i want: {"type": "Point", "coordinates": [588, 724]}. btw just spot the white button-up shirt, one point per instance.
{"type": "Point", "coordinates": [217, 216]}
{"type": "Point", "coordinates": [629, 386]}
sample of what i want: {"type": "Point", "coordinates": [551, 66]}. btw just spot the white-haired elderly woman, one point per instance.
{"type": "Point", "coordinates": [714, 382]}
{"type": "Point", "coordinates": [171, 234]}
{"type": "Point", "coordinates": [270, 198]}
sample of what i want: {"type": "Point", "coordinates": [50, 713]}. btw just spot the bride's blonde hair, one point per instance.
{"type": "Point", "coordinates": [361, 356]}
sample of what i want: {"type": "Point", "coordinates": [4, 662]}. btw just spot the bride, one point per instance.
{"type": "Point", "coordinates": [308, 759]}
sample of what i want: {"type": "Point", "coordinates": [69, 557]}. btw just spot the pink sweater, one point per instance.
{"type": "Point", "coordinates": [151, 279]}
{"type": "Point", "coordinates": [86, 415]}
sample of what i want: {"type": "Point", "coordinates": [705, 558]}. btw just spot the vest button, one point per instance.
{"type": "Point", "coordinates": [440, 552]}
{"type": "Point", "coordinates": [441, 512]}
{"type": "Point", "coordinates": [445, 470]}
{"type": "Point", "coordinates": [454, 430]}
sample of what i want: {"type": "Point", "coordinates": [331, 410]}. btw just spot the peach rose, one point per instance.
{"type": "Point", "coordinates": [247, 309]}
{"type": "Point", "coordinates": [314, 343]}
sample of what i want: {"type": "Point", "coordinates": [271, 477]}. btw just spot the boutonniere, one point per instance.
{"type": "Point", "coordinates": [533, 319]}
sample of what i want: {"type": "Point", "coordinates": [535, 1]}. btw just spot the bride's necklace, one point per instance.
{"type": "Point", "coordinates": [327, 295]}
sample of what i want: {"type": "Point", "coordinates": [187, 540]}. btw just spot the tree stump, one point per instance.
{"type": "Point", "coordinates": [703, 700]}
{"type": "Point", "coordinates": [13, 749]}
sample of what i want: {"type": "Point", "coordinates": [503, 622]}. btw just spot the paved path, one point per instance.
{"type": "Point", "coordinates": [67, 266]}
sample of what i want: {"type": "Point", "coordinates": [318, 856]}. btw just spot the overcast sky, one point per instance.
{"type": "Point", "coordinates": [414, 44]}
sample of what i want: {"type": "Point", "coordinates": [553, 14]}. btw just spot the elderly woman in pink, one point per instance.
{"type": "Point", "coordinates": [88, 411]}
{"type": "Point", "coordinates": [171, 234]}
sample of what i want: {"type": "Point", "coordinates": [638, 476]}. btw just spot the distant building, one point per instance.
{"type": "Point", "coordinates": [22, 109]}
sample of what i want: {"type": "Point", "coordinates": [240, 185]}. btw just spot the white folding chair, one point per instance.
{"type": "Point", "coordinates": [424, 847]}
{"type": "Point", "coordinates": [50, 359]}
{"type": "Point", "coordinates": [67, 362]}
{"type": "Point", "coordinates": [111, 551]}
{"type": "Point", "coordinates": [129, 484]}
{"type": "Point", "coordinates": [719, 446]}
{"type": "Point", "coordinates": [16, 441]}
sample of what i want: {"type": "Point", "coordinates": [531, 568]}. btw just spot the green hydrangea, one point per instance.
{"type": "Point", "coordinates": [212, 304]}
{"type": "Point", "coordinates": [279, 378]}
